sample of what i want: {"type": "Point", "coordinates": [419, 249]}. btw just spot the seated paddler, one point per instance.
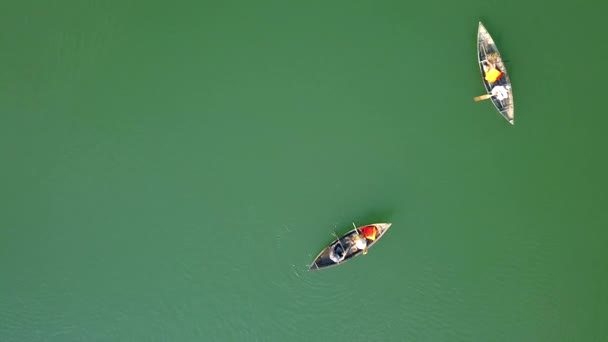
{"type": "Point", "coordinates": [491, 72]}
{"type": "Point", "coordinates": [370, 232]}
{"type": "Point", "coordinates": [500, 92]}
{"type": "Point", "coordinates": [337, 252]}
{"type": "Point", "coordinates": [360, 243]}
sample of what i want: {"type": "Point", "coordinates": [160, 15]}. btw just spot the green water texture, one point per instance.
{"type": "Point", "coordinates": [170, 168]}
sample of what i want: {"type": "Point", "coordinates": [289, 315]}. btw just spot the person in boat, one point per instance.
{"type": "Point", "coordinates": [369, 232]}
{"type": "Point", "coordinates": [360, 243]}
{"type": "Point", "coordinates": [500, 92]}
{"type": "Point", "coordinates": [366, 233]}
{"type": "Point", "coordinates": [492, 74]}
{"type": "Point", "coordinates": [337, 252]}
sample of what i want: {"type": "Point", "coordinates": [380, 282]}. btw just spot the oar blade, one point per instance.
{"type": "Point", "coordinates": [482, 97]}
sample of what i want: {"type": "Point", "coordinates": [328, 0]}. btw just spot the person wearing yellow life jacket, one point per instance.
{"type": "Point", "coordinates": [369, 232]}
{"type": "Point", "coordinates": [492, 73]}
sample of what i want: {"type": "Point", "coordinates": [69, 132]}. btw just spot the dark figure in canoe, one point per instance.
{"type": "Point", "coordinates": [338, 249]}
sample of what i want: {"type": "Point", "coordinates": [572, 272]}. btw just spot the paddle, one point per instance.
{"type": "Point", "coordinates": [482, 97]}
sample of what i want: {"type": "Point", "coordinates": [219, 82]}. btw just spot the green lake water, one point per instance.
{"type": "Point", "coordinates": [169, 170]}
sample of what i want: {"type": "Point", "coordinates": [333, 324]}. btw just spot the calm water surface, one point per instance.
{"type": "Point", "coordinates": [169, 170]}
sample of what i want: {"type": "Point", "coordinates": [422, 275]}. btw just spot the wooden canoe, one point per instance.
{"type": "Point", "coordinates": [323, 260]}
{"type": "Point", "coordinates": [487, 51]}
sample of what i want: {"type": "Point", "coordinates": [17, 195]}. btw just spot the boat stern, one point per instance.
{"type": "Point", "coordinates": [509, 113]}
